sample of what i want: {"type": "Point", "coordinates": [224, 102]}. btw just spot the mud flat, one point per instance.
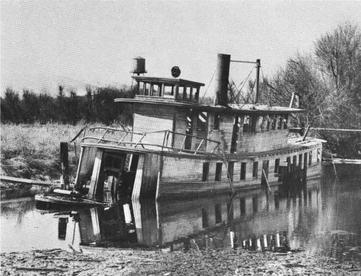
{"type": "Point", "coordinates": [112, 261]}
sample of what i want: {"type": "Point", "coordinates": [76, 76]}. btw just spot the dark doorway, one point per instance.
{"type": "Point", "coordinates": [236, 128]}
{"type": "Point", "coordinates": [189, 132]}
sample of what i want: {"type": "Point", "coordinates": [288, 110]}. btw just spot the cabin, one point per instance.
{"type": "Point", "coordinates": [173, 104]}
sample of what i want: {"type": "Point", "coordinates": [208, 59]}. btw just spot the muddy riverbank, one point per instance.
{"type": "Point", "coordinates": [112, 261]}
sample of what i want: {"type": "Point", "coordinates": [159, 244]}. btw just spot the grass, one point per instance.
{"type": "Point", "coordinates": [32, 151]}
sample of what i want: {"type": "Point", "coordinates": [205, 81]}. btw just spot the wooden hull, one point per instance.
{"type": "Point", "coordinates": [178, 176]}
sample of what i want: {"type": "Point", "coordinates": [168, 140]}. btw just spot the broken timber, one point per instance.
{"type": "Point", "coordinates": [10, 179]}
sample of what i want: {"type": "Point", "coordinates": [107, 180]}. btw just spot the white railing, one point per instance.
{"type": "Point", "coordinates": [128, 138]}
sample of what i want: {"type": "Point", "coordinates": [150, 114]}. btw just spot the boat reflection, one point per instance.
{"type": "Point", "coordinates": [259, 219]}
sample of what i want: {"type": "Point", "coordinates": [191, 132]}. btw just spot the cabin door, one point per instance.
{"type": "Point", "coordinates": [189, 132]}
{"type": "Point", "coordinates": [236, 128]}
{"type": "Point", "coordinates": [202, 131]}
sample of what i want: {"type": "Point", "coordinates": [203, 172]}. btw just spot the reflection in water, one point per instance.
{"type": "Point", "coordinates": [320, 216]}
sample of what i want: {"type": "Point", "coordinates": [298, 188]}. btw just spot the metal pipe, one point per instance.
{"type": "Point", "coordinates": [258, 96]}
{"type": "Point", "coordinates": [222, 76]}
{"type": "Point", "coordinates": [243, 61]}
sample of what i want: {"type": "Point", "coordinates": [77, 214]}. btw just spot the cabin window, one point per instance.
{"type": "Point", "coordinates": [217, 119]}
{"type": "Point", "coordinates": [264, 123]}
{"type": "Point", "coordinates": [285, 122]}
{"type": "Point", "coordinates": [246, 124]}
{"type": "Point", "coordinates": [243, 206]}
{"type": "Point", "coordinates": [146, 88]}
{"type": "Point", "coordinates": [294, 160]}
{"type": "Point", "coordinates": [253, 123]}
{"type": "Point", "coordinates": [280, 122]}
{"type": "Point", "coordinates": [255, 204]}
{"type": "Point", "coordinates": [186, 93]}
{"type": "Point", "coordinates": [204, 218]}
{"type": "Point", "coordinates": [255, 169]}
{"type": "Point", "coordinates": [310, 159]}
{"type": "Point", "coordinates": [180, 92]}
{"type": "Point", "coordinates": [230, 170]}
{"type": "Point", "coordinates": [300, 160]}
{"type": "Point", "coordinates": [218, 213]}
{"type": "Point", "coordinates": [168, 91]}
{"type": "Point", "coordinates": [229, 212]}
{"type": "Point", "coordinates": [268, 123]}
{"type": "Point", "coordinates": [277, 166]}
{"type": "Point", "coordinates": [243, 170]}
{"type": "Point", "coordinates": [140, 88]}
{"type": "Point", "coordinates": [155, 90]}
{"type": "Point", "coordinates": [196, 94]}
{"type": "Point", "coordinates": [218, 171]}
{"type": "Point", "coordinates": [205, 171]}
{"type": "Point", "coordinates": [274, 122]}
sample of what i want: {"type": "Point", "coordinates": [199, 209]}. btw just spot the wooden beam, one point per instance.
{"type": "Point", "coordinates": [26, 181]}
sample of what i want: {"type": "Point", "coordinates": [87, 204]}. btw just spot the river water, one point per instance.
{"type": "Point", "coordinates": [324, 215]}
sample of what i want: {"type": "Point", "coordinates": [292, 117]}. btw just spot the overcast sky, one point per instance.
{"type": "Point", "coordinates": [93, 42]}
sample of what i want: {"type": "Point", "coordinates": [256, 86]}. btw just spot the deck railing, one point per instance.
{"type": "Point", "coordinates": [164, 142]}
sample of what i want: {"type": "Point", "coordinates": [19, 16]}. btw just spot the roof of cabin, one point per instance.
{"type": "Point", "coordinates": [168, 81]}
{"type": "Point", "coordinates": [232, 108]}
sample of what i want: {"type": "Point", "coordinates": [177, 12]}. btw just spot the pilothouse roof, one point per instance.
{"type": "Point", "coordinates": [231, 108]}
{"type": "Point", "coordinates": [168, 81]}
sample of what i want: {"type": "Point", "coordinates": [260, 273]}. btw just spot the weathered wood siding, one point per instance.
{"type": "Point", "coordinates": [262, 141]}
{"type": "Point", "coordinates": [148, 119]}
{"type": "Point", "coordinates": [224, 134]}
{"type": "Point", "coordinates": [180, 126]}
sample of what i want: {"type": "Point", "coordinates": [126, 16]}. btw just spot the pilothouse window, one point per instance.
{"type": "Point", "coordinates": [168, 91]}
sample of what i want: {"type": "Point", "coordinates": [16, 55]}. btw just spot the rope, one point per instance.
{"type": "Point", "coordinates": [246, 79]}
{"type": "Point", "coordinates": [209, 84]}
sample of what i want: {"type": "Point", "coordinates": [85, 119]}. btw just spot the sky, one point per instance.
{"type": "Point", "coordinates": [79, 43]}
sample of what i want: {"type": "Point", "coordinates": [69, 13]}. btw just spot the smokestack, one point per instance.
{"type": "Point", "coordinates": [222, 75]}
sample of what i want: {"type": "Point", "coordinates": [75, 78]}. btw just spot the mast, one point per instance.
{"type": "Point", "coordinates": [258, 66]}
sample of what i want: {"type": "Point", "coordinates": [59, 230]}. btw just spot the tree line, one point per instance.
{"type": "Point", "coordinates": [96, 106]}
{"type": "Point", "coordinates": [327, 82]}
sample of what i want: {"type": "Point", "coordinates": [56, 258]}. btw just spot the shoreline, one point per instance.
{"type": "Point", "coordinates": [115, 261]}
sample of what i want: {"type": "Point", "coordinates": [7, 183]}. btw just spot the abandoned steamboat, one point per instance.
{"type": "Point", "coordinates": [179, 147]}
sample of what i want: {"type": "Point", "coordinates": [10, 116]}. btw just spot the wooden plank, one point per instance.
{"type": "Point", "coordinates": [346, 161]}
{"type": "Point", "coordinates": [336, 129]}
{"type": "Point", "coordinates": [27, 181]}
